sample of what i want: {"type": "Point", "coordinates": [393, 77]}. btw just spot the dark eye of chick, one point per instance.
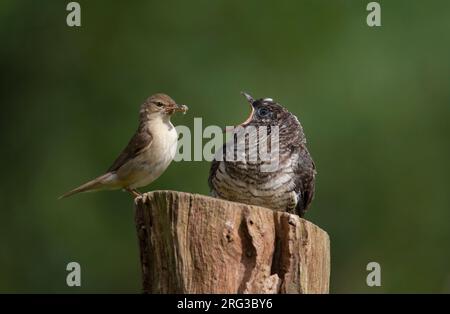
{"type": "Point", "coordinates": [263, 112]}
{"type": "Point", "coordinates": [160, 104]}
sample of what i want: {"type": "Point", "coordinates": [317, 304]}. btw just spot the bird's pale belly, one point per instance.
{"type": "Point", "coordinates": [147, 171]}
{"type": "Point", "coordinates": [149, 165]}
{"type": "Point", "coordinates": [273, 191]}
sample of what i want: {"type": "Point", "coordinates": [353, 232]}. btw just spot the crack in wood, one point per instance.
{"type": "Point", "coordinates": [191, 243]}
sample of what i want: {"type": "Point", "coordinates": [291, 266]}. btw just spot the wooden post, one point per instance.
{"type": "Point", "coordinates": [191, 243]}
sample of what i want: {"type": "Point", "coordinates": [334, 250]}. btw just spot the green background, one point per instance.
{"type": "Point", "coordinates": [374, 103]}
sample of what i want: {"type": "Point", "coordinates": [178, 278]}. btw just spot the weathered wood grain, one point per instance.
{"type": "Point", "coordinates": [191, 243]}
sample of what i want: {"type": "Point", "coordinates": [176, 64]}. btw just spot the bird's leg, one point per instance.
{"type": "Point", "coordinates": [134, 192]}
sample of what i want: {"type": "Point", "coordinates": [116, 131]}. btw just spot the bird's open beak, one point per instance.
{"type": "Point", "coordinates": [250, 101]}
{"type": "Point", "coordinates": [249, 97]}
{"type": "Point", "coordinates": [250, 117]}
{"type": "Point", "coordinates": [177, 108]}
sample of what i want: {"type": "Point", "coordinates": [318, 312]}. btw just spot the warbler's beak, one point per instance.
{"type": "Point", "coordinates": [177, 108]}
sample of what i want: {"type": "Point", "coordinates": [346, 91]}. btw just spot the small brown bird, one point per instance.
{"type": "Point", "coordinates": [148, 153]}
{"type": "Point", "coordinates": [287, 187]}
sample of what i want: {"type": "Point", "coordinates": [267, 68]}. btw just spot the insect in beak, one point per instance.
{"type": "Point", "coordinates": [177, 108]}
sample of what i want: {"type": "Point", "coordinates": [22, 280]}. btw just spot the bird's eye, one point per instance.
{"type": "Point", "coordinates": [160, 104]}
{"type": "Point", "coordinates": [263, 112]}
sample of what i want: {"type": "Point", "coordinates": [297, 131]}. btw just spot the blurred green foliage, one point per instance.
{"type": "Point", "coordinates": [374, 103]}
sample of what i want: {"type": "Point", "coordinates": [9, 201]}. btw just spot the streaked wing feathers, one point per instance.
{"type": "Point", "coordinates": [141, 141]}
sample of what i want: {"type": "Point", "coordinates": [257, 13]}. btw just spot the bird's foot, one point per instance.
{"type": "Point", "coordinates": [133, 192]}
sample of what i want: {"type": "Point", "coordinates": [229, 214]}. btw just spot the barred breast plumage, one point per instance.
{"type": "Point", "coordinates": [283, 181]}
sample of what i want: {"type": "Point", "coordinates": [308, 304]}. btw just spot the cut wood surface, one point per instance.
{"type": "Point", "coordinates": [191, 243]}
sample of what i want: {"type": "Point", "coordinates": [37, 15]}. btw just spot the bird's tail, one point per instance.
{"type": "Point", "coordinates": [103, 182]}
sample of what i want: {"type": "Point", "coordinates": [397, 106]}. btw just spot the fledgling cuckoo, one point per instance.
{"type": "Point", "coordinates": [287, 186]}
